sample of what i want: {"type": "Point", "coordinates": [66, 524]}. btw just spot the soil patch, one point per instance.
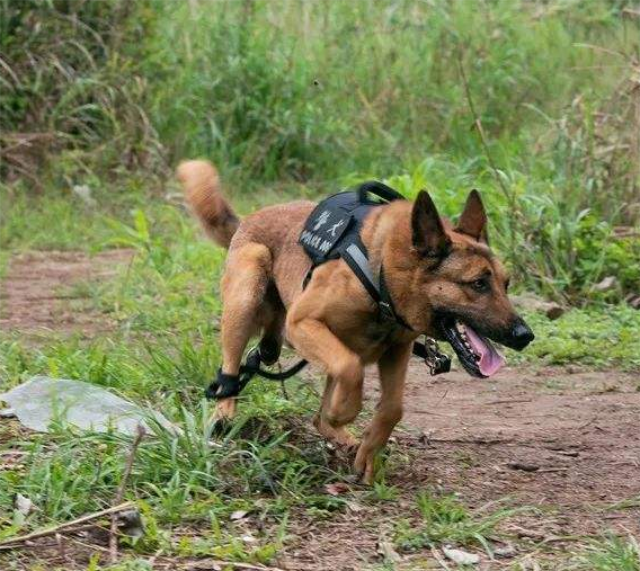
{"type": "Point", "coordinates": [41, 292]}
{"type": "Point", "coordinates": [564, 444]}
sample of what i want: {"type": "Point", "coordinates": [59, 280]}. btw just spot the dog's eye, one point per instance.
{"type": "Point", "coordinates": [481, 285]}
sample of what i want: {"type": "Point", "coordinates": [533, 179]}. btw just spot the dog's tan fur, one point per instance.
{"type": "Point", "coordinates": [333, 322]}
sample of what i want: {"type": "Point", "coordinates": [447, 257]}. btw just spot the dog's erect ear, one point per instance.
{"type": "Point", "coordinates": [428, 235]}
{"type": "Point", "coordinates": [473, 220]}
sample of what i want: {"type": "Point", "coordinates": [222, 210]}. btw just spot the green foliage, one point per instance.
{"type": "Point", "coordinates": [558, 248]}
{"type": "Point", "coordinates": [350, 85]}
{"type": "Point", "coordinates": [611, 554]}
{"type": "Point", "coordinates": [598, 337]}
{"type": "Point", "coordinates": [326, 92]}
{"type": "Point", "coordinates": [72, 96]}
{"type": "Point", "coordinates": [444, 519]}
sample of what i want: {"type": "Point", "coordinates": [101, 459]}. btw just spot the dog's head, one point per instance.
{"type": "Point", "coordinates": [458, 288]}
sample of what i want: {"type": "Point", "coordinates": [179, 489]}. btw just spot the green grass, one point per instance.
{"type": "Point", "coordinates": [611, 554]}
{"type": "Point", "coordinates": [599, 337]}
{"type": "Point", "coordinates": [446, 520]}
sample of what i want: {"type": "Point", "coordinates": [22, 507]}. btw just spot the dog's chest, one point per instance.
{"type": "Point", "coordinates": [375, 338]}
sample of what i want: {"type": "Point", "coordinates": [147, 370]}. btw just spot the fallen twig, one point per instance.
{"type": "Point", "coordinates": [480, 441]}
{"type": "Point", "coordinates": [113, 530]}
{"type": "Point", "coordinates": [507, 401]}
{"type": "Point", "coordinates": [15, 542]}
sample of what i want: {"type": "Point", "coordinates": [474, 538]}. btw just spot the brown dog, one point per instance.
{"type": "Point", "coordinates": [445, 282]}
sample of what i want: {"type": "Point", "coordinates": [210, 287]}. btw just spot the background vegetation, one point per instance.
{"type": "Point", "coordinates": [547, 122]}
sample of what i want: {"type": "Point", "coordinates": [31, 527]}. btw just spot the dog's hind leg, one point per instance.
{"type": "Point", "coordinates": [244, 287]}
{"type": "Point", "coordinates": [392, 367]}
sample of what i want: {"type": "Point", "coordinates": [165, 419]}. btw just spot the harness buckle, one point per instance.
{"type": "Point", "coordinates": [386, 311]}
{"type": "Point", "coordinates": [436, 361]}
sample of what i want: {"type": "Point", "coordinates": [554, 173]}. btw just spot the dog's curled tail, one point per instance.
{"type": "Point", "coordinates": [201, 185]}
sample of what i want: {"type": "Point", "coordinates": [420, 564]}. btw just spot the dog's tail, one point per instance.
{"type": "Point", "coordinates": [201, 185]}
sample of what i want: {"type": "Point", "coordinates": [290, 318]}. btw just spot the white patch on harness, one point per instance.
{"type": "Point", "coordinates": [322, 220]}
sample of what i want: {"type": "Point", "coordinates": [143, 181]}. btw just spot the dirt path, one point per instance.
{"type": "Point", "coordinates": [565, 444]}
{"type": "Point", "coordinates": [553, 439]}
{"type": "Point", "coordinates": [41, 294]}
{"type": "Point", "coordinates": [578, 433]}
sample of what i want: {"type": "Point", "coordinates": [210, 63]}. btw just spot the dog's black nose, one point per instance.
{"type": "Point", "coordinates": [521, 334]}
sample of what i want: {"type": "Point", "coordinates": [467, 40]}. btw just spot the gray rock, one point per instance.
{"type": "Point", "coordinates": [532, 302]}
{"type": "Point", "coordinates": [461, 557]}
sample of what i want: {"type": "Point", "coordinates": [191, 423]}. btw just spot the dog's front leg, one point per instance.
{"type": "Point", "coordinates": [342, 400]}
{"type": "Point", "coordinates": [392, 368]}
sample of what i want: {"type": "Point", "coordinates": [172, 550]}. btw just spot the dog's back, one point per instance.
{"type": "Point", "coordinates": [276, 227]}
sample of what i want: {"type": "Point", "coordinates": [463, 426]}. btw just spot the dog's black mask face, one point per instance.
{"type": "Point", "coordinates": [463, 287]}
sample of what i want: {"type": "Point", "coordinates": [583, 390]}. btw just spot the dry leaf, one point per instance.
{"type": "Point", "coordinates": [337, 488]}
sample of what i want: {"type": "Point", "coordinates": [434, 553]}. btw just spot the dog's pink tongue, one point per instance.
{"type": "Point", "coordinates": [490, 360]}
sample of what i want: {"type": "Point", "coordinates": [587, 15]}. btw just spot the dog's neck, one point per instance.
{"type": "Point", "coordinates": [387, 236]}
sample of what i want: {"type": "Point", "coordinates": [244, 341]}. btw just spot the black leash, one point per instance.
{"type": "Point", "coordinates": [226, 386]}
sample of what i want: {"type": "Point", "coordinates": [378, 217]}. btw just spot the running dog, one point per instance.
{"type": "Point", "coordinates": [444, 281]}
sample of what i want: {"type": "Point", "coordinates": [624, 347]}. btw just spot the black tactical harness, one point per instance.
{"type": "Point", "coordinates": [332, 231]}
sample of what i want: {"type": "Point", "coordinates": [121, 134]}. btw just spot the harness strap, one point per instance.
{"type": "Point", "coordinates": [226, 386]}
{"type": "Point", "coordinates": [356, 258]}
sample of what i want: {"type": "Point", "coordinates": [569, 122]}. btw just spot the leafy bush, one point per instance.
{"type": "Point", "coordinates": [72, 86]}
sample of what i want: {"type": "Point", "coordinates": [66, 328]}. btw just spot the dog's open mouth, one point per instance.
{"type": "Point", "coordinates": [476, 353]}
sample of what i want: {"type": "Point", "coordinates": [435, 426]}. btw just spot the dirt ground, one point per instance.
{"type": "Point", "coordinates": [41, 293]}
{"type": "Point", "coordinates": [566, 444]}
{"type": "Point", "coordinates": [563, 441]}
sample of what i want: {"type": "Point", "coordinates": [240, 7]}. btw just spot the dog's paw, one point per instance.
{"type": "Point", "coordinates": [364, 467]}
{"type": "Point", "coordinates": [340, 437]}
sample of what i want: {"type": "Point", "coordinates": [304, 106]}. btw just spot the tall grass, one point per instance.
{"type": "Point", "coordinates": [536, 104]}
{"type": "Point", "coordinates": [71, 96]}
{"type": "Point", "coordinates": [315, 89]}
{"type": "Point", "coordinates": [320, 89]}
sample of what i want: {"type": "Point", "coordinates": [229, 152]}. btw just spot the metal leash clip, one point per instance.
{"type": "Point", "coordinates": [436, 361]}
